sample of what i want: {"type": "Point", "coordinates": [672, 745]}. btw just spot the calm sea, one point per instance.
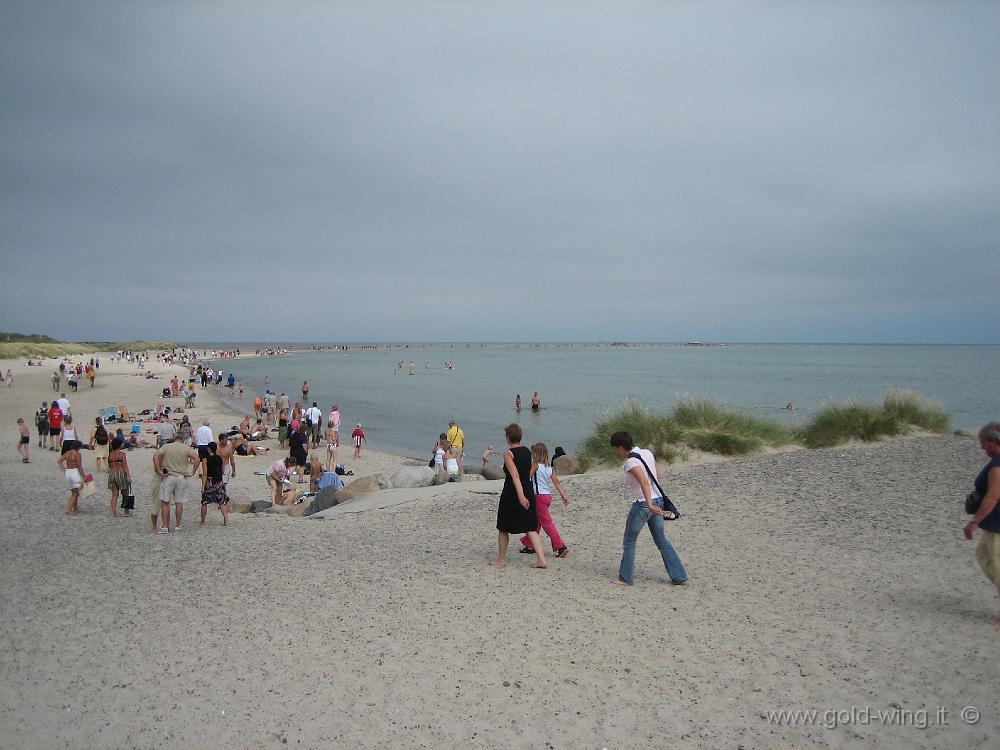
{"type": "Point", "coordinates": [404, 413]}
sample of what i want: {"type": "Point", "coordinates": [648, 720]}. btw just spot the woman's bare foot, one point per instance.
{"type": "Point", "coordinates": [498, 563]}
{"type": "Point", "coordinates": [620, 582]}
{"type": "Point", "coordinates": [201, 525]}
{"type": "Point", "coordinates": [539, 566]}
{"type": "Point", "coordinates": [994, 621]}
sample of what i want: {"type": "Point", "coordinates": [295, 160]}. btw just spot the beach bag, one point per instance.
{"type": "Point", "coordinates": [972, 502]}
{"type": "Point", "coordinates": [128, 500]}
{"type": "Point", "coordinates": [89, 487]}
{"type": "Point", "coordinates": [668, 506]}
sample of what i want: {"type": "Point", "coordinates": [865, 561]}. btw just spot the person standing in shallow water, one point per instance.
{"type": "Point", "coordinates": [645, 511]}
{"type": "Point", "coordinates": [987, 517]}
{"type": "Point", "coordinates": [516, 512]}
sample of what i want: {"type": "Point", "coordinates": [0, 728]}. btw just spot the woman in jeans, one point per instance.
{"type": "Point", "coordinates": [647, 510]}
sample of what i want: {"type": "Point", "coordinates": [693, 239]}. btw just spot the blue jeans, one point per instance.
{"type": "Point", "coordinates": [640, 516]}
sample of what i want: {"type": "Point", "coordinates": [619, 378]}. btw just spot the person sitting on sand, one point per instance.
{"type": "Point", "coordinates": [451, 462]}
{"type": "Point", "coordinates": [71, 463]}
{"type": "Point", "coordinates": [987, 516]}
{"type": "Point", "coordinates": [241, 447]}
{"type": "Point", "coordinates": [276, 477]}
{"type": "Point", "coordinates": [259, 431]}
{"type": "Point", "coordinates": [244, 427]}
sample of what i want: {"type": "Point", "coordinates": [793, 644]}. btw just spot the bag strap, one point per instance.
{"type": "Point", "coordinates": [635, 454]}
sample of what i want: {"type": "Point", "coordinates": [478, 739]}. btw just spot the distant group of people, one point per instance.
{"type": "Point", "coordinates": [536, 402]}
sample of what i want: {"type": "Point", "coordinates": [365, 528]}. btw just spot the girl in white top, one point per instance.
{"type": "Point", "coordinates": [439, 452]}
{"type": "Point", "coordinates": [68, 432]}
{"type": "Point", "coordinates": [544, 479]}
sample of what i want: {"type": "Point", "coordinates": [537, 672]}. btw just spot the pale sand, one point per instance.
{"type": "Point", "coordinates": [819, 580]}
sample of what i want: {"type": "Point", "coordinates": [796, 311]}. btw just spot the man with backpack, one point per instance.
{"type": "Point", "coordinates": [42, 422]}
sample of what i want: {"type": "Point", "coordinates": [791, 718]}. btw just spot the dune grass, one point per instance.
{"type": "Point", "coordinates": [25, 349]}
{"type": "Point", "coordinates": [901, 412]}
{"type": "Point", "coordinates": [700, 424]}
{"type": "Point", "coordinates": [694, 424]}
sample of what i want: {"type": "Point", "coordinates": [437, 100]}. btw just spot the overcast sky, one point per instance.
{"type": "Point", "coordinates": [668, 171]}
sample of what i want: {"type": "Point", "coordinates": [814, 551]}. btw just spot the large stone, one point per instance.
{"type": "Point", "coordinates": [472, 477]}
{"type": "Point", "coordinates": [241, 507]}
{"type": "Point", "coordinates": [357, 488]}
{"type": "Point", "coordinates": [440, 477]}
{"type": "Point", "coordinates": [259, 506]}
{"type": "Point", "coordinates": [412, 476]}
{"type": "Point", "coordinates": [299, 509]}
{"type": "Point", "coordinates": [492, 472]}
{"type": "Point", "coordinates": [324, 499]}
{"type": "Point", "coordinates": [472, 469]}
{"type": "Point", "coordinates": [565, 465]}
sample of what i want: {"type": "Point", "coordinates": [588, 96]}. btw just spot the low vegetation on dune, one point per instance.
{"type": "Point", "coordinates": [702, 425]}
{"type": "Point", "coordinates": [23, 346]}
{"type": "Point", "coordinates": [901, 412]}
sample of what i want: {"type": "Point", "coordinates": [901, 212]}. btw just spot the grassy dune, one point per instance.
{"type": "Point", "coordinates": [699, 424]}
{"type": "Point", "coordinates": [26, 349]}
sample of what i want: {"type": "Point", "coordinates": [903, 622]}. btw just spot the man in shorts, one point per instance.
{"type": "Point", "coordinates": [176, 463]}
{"type": "Point", "coordinates": [154, 499]}
{"type": "Point", "coordinates": [456, 436]}
{"type": "Point", "coordinates": [314, 418]}
{"type": "Point", "coordinates": [42, 423]}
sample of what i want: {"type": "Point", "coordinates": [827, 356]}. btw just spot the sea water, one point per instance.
{"type": "Point", "coordinates": [578, 385]}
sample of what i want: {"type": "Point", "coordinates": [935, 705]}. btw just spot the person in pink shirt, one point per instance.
{"type": "Point", "coordinates": [277, 475]}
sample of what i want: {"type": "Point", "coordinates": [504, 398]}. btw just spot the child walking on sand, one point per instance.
{"type": "Point", "coordinates": [544, 478]}
{"type": "Point", "coordinates": [359, 437]}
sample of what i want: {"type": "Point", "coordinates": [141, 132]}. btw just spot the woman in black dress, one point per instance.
{"type": "Point", "coordinates": [213, 488]}
{"type": "Point", "coordinates": [516, 514]}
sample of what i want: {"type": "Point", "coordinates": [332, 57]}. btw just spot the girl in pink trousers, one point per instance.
{"type": "Point", "coordinates": [544, 478]}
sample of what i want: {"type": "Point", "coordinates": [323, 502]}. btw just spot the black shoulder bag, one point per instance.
{"type": "Point", "coordinates": [670, 510]}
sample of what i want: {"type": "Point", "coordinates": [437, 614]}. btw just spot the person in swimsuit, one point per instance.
{"type": "Point", "coordinates": [331, 447]}
{"type": "Point", "coordinates": [536, 402]}
{"type": "Point", "coordinates": [71, 464]}
{"type": "Point", "coordinates": [517, 402]}
{"type": "Point", "coordinates": [213, 488]}
{"type": "Point", "coordinates": [23, 441]}
{"type": "Point", "coordinates": [119, 476]}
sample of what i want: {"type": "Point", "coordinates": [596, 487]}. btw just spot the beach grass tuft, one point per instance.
{"type": "Point", "coordinates": [703, 425]}
{"type": "Point", "coordinates": [910, 408]}
{"type": "Point", "coordinates": [901, 412]}
{"type": "Point", "coordinates": [695, 424]}
{"type": "Point", "coordinates": [26, 349]}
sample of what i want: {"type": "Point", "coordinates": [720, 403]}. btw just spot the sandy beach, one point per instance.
{"type": "Point", "coordinates": [834, 581]}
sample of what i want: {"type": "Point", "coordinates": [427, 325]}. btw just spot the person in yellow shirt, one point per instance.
{"type": "Point", "coordinates": [456, 437]}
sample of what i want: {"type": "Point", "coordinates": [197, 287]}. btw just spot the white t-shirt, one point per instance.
{"type": "Point", "coordinates": [203, 435]}
{"type": "Point", "coordinates": [64, 405]}
{"type": "Point", "coordinates": [439, 457]}
{"type": "Point", "coordinates": [278, 469]}
{"type": "Point", "coordinates": [633, 484]}
{"type": "Point", "coordinates": [314, 415]}
{"type": "Point", "coordinates": [543, 483]}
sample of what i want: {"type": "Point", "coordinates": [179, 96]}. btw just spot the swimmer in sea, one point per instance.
{"type": "Point", "coordinates": [517, 402]}
{"type": "Point", "coordinates": [536, 402]}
